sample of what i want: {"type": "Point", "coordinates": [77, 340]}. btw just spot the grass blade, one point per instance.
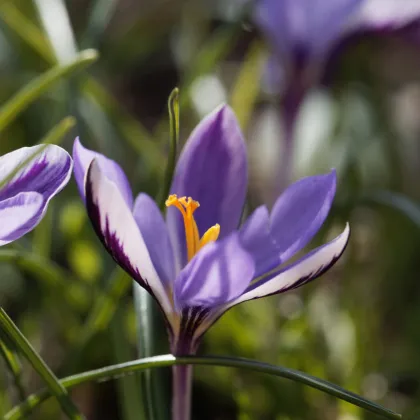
{"type": "Point", "coordinates": [11, 357]}
{"type": "Point", "coordinates": [57, 133]}
{"type": "Point", "coordinates": [11, 109]}
{"type": "Point", "coordinates": [110, 372]}
{"type": "Point", "coordinates": [53, 384]}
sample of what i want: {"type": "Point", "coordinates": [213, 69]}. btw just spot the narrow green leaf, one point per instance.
{"type": "Point", "coordinates": [53, 384]}
{"type": "Point", "coordinates": [128, 387]}
{"type": "Point", "coordinates": [100, 15]}
{"type": "Point", "coordinates": [9, 354]}
{"type": "Point", "coordinates": [26, 30]}
{"type": "Point", "coordinates": [29, 93]}
{"type": "Point", "coordinates": [57, 133]}
{"type": "Point", "coordinates": [146, 334]}
{"type": "Point", "coordinates": [173, 109]}
{"type": "Point", "coordinates": [131, 130]}
{"type": "Point", "coordinates": [110, 372]}
{"type": "Point", "coordinates": [397, 201]}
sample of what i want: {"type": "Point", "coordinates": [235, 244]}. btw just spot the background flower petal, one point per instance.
{"type": "Point", "coordinates": [304, 28]}
{"type": "Point", "coordinates": [46, 173]}
{"type": "Point", "coordinates": [212, 169]}
{"type": "Point", "coordinates": [306, 269]}
{"type": "Point", "coordinates": [220, 272]}
{"type": "Point", "coordinates": [83, 157]}
{"type": "Point", "coordinates": [300, 211]}
{"type": "Point", "coordinates": [153, 229]}
{"type": "Point", "coordinates": [19, 214]}
{"type": "Point", "coordinates": [116, 228]}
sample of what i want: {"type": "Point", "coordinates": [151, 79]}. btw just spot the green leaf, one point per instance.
{"type": "Point", "coordinates": [26, 30]}
{"type": "Point", "coordinates": [110, 372]}
{"type": "Point", "coordinates": [128, 387]}
{"type": "Point", "coordinates": [132, 132]}
{"type": "Point", "coordinates": [29, 93]}
{"type": "Point", "coordinates": [397, 201]}
{"type": "Point", "coordinates": [173, 109]}
{"type": "Point", "coordinates": [54, 386]}
{"type": "Point", "coordinates": [146, 341]}
{"type": "Point", "coordinates": [57, 133]}
{"type": "Point", "coordinates": [9, 354]}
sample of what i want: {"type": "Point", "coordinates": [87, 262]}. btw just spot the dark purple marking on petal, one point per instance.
{"type": "Point", "coordinates": [186, 343]}
{"type": "Point", "coordinates": [110, 240]}
{"type": "Point", "coordinates": [42, 177]}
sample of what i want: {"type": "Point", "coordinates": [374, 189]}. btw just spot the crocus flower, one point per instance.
{"type": "Point", "coordinates": [29, 178]}
{"type": "Point", "coordinates": [200, 262]}
{"type": "Point", "coordinates": [304, 33]}
{"type": "Point", "coordinates": [305, 36]}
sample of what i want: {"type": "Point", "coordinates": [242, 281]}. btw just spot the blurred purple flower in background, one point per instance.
{"type": "Point", "coordinates": [197, 264]}
{"type": "Point", "coordinates": [29, 178]}
{"type": "Point", "coordinates": [303, 33]}
{"type": "Point", "coordinates": [306, 35]}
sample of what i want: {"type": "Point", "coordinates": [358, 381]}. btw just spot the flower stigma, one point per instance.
{"type": "Point", "coordinates": [187, 206]}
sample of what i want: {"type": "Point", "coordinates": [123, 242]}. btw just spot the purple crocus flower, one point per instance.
{"type": "Point", "coordinates": [36, 175]}
{"type": "Point", "coordinates": [200, 262]}
{"type": "Point", "coordinates": [304, 33]}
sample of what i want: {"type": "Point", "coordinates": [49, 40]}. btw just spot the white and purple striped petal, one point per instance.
{"type": "Point", "coordinates": [19, 215]}
{"type": "Point", "coordinates": [29, 178]}
{"type": "Point", "coordinates": [306, 269]}
{"type": "Point", "coordinates": [83, 157]}
{"type": "Point", "coordinates": [44, 169]}
{"type": "Point", "coordinates": [300, 211]}
{"type": "Point", "coordinates": [212, 169]}
{"type": "Point", "coordinates": [116, 228]}
{"type": "Point", "coordinates": [153, 229]}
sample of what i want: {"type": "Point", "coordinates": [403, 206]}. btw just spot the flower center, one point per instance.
{"type": "Point", "coordinates": [187, 206]}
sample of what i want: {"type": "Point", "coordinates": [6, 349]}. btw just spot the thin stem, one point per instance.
{"type": "Point", "coordinates": [181, 392]}
{"type": "Point", "coordinates": [109, 372]}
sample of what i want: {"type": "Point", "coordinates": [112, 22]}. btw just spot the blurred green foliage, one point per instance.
{"type": "Point", "coordinates": [358, 326]}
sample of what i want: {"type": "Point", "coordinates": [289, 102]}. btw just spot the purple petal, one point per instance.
{"type": "Point", "coordinates": [256, 239]}
{"type": "Point", "coordinates": [307, 28]}
{"type": "Point", "coordinates": [83, 157]}
{"type": "Point", "coordinates": [212, 169]}
{"type": "Point", "coordinates": [155, 234]}
{"type": "Point", "coordinates": [308, 268]}
{"type": "Point", "coordinates": [220, 272]}
{"type": "Point", "coordinates": [116, 228]}
{"type": "Point", "coordinates": [46, 170]}
{"type": "Point", "coordinates": [300, 211]}
{"type": "Point", "coordinates": [19, 215]}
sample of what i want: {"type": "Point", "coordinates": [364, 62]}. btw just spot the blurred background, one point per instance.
{"type": "Point", "coordinates": [358, 326]}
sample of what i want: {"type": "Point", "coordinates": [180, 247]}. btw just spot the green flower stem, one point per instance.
{"type": "Point", "coordinates": [54, 386]}
{"type": "Point", "coordinates": [173, 109]}
{"type": "Point", "coordinates": [109, 372]}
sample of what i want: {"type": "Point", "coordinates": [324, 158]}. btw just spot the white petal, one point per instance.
{"type": "Point", "coordinates": [118, 231]}
{"type": "Point", "coordinates": [299, 273]}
